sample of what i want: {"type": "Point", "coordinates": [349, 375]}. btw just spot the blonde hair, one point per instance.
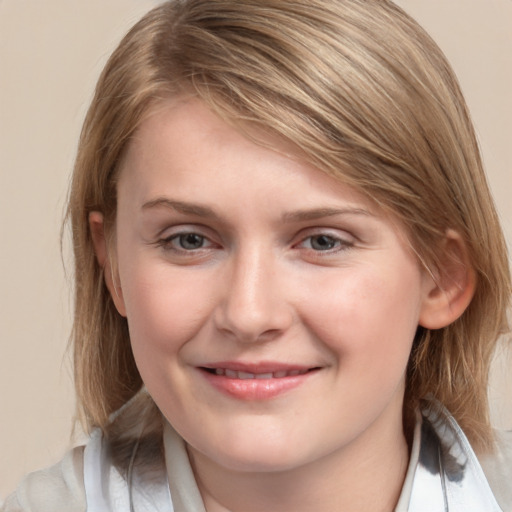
{"type": "Point", "coordinates": [368, 97]}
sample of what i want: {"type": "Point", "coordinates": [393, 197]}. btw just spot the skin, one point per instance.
{"type": "Point", "coordinates": [228, 251]}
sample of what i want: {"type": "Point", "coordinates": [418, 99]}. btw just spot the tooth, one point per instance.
{"type": "Point", "coordinates": [219, 371]}
{"type": "Point", "coordinates": [292, 373]}
{"type": "Point", "coordinates": [263, 375]}
{"type": "Point", "coordinates": [280, 374]}
{"type": "Point", "coordinates": [231, 374]}
{"type": "Point", "coordinates": [302, 372]}
{"type": "Point", "coordinates": [245, 375]}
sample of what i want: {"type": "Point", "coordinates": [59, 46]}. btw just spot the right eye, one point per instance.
{"type": "Point", "coordinates": [190, 241]}
{"type": "Point", "coordinates": [185, 242]}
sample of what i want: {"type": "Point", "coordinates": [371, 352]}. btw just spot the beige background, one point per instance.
{"type": "Point", "coordinates": [51, 52]}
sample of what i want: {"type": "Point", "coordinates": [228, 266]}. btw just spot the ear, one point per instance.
{"type": "Point", "coordinates": [97, 227]}
{"type": "Point", "coordinates": [451, 287]}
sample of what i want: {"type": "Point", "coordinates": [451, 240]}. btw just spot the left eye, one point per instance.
{"type": "Point", "coordinates": [323, 242]}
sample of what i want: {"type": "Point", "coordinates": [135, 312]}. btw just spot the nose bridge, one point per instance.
{"type": "Point", "coordinates": [254, 306]}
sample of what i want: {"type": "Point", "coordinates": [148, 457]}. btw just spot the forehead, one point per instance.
{"type": "Point", "coordinates": [184, 136]}
{"type": "Point", "coordinates": [183, 145]}
{"type": "Point", "coordinates": [192, 117]}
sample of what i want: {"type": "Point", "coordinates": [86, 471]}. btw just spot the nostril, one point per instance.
{"type": "Point", "coordinates": [250, 317]}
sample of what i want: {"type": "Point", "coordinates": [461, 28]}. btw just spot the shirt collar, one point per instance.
{"type": "Point", "coordinates": [443, 475]}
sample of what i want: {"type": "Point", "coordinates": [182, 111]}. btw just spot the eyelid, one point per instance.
{"type": "Point", "coordinates": [177, 236]}
{"type": "Point", "coordinates": [167, 236]}
{"type": "Point", "coordinates": [344, 240]}
{"type": "Point", "coordinates": [177, 229]}
{"type": "Point", "coordinates": [338, 233]}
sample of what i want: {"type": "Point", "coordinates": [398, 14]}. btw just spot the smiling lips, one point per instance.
{"type": "Point", "coordinates": [248, 383]}
{"type": "Point", "coordinates": [233, 374]}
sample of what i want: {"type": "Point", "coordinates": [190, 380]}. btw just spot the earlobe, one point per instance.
{"type": "Point", "coordinates": [451, 288]}
{"type": "Point", "coordinates": [97, 227]}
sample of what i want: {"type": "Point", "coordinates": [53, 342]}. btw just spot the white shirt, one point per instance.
{"type": "Point", "coordinates": [84, 481]}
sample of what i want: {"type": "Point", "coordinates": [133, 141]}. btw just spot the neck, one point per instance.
{"type": "Point", "coordinates": [366, 476]}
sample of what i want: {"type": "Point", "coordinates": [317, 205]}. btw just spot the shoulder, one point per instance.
{"type": "Point", "coordinates": [58, 488]}
{"type": "Point", "coordinates": [497, 467]}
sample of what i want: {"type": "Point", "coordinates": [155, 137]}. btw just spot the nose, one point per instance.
{"type": "Point", "coordinates": [254, 305]}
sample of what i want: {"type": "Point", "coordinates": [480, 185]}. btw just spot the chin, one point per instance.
{"type": "Point", "coordinates": [255, 457]}
{"type": "Point", "coordinates": [257, 464]}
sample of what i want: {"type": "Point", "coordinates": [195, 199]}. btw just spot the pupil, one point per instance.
{"type": "Point", "coordinates": [191, 241]}
{"type": "Point", "coordinates": [322, 243]}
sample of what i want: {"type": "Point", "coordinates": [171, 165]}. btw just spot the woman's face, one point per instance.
{"type": "Point", "coordinates": [271, 308]}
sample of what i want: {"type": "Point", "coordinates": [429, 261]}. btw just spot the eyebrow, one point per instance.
{"type": "Point", "coordinates": [319, 213]}
{"type": "Point", "coordinates": [181, 207]}
{"type": "Point", "coordinates": [295, 216]}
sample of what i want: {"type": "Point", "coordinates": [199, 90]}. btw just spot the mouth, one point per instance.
{"type": "Point", "coordinates": [245, 375]}
{"type": "Point", "coordinates": [256, 382]}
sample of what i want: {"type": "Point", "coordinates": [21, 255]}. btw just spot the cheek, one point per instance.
{"type": "Point", "coordinates": [164, 309]}
{"type": "Point", "coordinates": [368, 317]}
{"type": "Point", "coordinates": [164, 312]}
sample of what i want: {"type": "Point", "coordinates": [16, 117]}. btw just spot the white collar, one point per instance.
{"type": "Point", "coordinates": [444, 474]}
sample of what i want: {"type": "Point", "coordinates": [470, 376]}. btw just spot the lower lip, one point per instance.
{"type": "Point", "coordinates": [255, 389]}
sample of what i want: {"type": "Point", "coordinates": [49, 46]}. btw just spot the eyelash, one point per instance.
{"type": "Point", "coordinates": [167, 243]}
{"type": "Point", "coordinates": [335, 244]}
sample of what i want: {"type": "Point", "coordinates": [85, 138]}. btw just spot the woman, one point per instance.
{"type": "Point", "coordinates": [288, 270]}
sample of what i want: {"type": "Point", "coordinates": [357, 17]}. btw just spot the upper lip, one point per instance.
{"type": "Point", "coordinates": [256, 368]}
